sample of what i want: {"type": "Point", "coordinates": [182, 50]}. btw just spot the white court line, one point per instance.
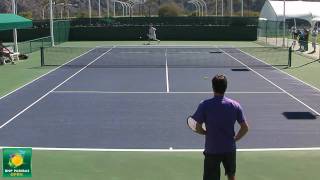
{"type": "Point", "coordinates": [317, 113]}
{"type": "Point", "coordinates": [136, 52]}
{"type": "Point", "coordinates": [187, 52]}
{"type": "Point", "coordinates": [155, 92]}
{"type": "Point", "coordinates": [45, 95]}
{"type": "Point", "coordinates": [45, 74]}
{"type": "Point", "coordinates": [161, 150]}
{"type": "Point", "coordinates": [281, 71]}
{"type": "Point", "coordinates": [167, 73]}
{"type": "Point", "coordinates": [158, 46]}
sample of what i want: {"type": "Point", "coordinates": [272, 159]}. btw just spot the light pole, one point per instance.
{"type": "Point", "coordinates": [216, 7]}
{"type": "Point", "coordinates": [284, 23]}
{"type": "Point", "coordinates": [131, 4]}
{"type": "Point", "coordinates": [108, 8]}
{"type": "Point", "coordinates": [231, 7]}
{"type": "Point", "coordinates": [99, 7]}
{"type": "Point", "coordinates": [241, 7]}
{"type": "Point", "coordinates": [60, 4]}
{"type": "Point", "coordinates": [61, 9]}
{"type": "Point", "coordinates": [197, 7]}
{"type": "Point", "coordinates": [89, 6]}
{"type": "Point", "coordinates": [15, 36]}
{"type": "Point", "coordinates": [200, 5]}
{"type": "Point", "coordinates": [205, 7]}
{"type": "Point", "coordinates": [43, 9]}
{"type": "Point", "coordinates": [126, 7]}
{"type": "Point", "coordinates": [51, 23]}
{"type": "Point", "coordinates": [114, 8]}
{"type": "Point", "coordinates": [70, 5]}
{"type": "Point", "coordinates": [222, 8]}
{"type": "Point", "coordinates": [63, 5]}
{"type": "Point", "coordinates": [122, 5]}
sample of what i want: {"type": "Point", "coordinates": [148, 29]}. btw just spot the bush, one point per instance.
{"type": "Point", "coordinates": [169, 10]}
{"type": "Point", "coordinates": [26, 14]}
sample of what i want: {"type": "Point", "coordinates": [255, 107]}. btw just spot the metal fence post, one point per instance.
{"type": "Point", "coordinates": [42, 55]}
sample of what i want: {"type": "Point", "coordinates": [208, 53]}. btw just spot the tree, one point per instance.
{"type": "Point", "coordinates": [43, 4]}
{"type": "Point", "coordinates": [149, 4]}
{"type": "Point", "coordinates": [26, 14]}
{"type": "Point", "coordinates": [169, 10]}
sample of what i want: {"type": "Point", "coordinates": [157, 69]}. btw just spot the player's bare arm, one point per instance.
{"type": "Point", "coordinates": [244, 128]}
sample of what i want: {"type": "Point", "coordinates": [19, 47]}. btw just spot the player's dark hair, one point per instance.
{"type": "Point", "coordinates": [219, 83]}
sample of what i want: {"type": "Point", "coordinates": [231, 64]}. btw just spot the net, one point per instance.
{"type": "Point", "coordinates": [27, 47]}
{"type": "Point", "coordinates": [204, 57]}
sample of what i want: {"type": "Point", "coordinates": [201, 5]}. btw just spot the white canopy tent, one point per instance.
{"type": "Point", "coordinates": [306, 10]}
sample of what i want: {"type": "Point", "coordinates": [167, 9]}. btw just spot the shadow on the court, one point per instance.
{"type": "Point", "coordinates": [299, 116]}
{"type": "Point", "coordinates": [240, 69]}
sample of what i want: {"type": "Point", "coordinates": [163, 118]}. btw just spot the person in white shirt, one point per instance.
{"type": "Point", "coordinates": [152, 34]}
{"type": "Point", "coordinates": [294, 33]}
{"type": "Point", "coordinates": [314, 35]}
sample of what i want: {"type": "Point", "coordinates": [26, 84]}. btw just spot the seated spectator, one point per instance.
{"type": "Point", "coordinates": [4, 53]}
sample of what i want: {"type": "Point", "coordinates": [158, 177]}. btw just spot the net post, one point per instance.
{"type": "Point", "coordinates": [30, 46]}
{"type": "Point", "coordinates": [42, 55]}
{"type": "Point", "coordinates": [290, 56]}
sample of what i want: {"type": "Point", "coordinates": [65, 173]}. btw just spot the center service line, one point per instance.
{"type": "Point", "coordinates": [167, 72]}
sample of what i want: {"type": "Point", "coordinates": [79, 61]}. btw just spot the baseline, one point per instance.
{"type": "Point", "coordinates": [171, 92]}
{"type": "Point", "coordinates": [170, 149]}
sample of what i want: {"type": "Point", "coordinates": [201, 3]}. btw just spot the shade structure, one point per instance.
{"type": "Point", "coordinates": [11, 21]}
{"type": "Point", "coordinates": [306, 10]}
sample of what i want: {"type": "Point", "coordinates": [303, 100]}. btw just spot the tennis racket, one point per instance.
{"type": "Point", "coordinates": [193, 124]}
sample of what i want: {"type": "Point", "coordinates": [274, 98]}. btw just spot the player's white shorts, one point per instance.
{"type": "Point", "coordinates": [152, 36]}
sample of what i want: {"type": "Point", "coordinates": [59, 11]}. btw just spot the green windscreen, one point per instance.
{"type": "Point", "coordinates": [61, 30]}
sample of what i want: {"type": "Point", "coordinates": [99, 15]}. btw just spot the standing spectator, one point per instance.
{"type": "Point", "coordinates": [306, 39]}
{"type": "Point", "coordinates": [314, 35]}
{"type": "Point", "coordinates": [294, 33]}
{"type": "Point", "coordinates": [300, 39]}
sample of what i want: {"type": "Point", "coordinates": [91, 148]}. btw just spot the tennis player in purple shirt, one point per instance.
{"type": "Point", "coordinates": [220, 115]}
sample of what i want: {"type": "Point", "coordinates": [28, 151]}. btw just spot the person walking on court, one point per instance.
{"type": "Point", "coordinates": [152, 34]}
{"type": "Point", "coordinates": [219, 114]}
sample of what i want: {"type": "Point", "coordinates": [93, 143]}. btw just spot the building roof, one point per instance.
{"type": "Point", "coordinates": [273, 10]}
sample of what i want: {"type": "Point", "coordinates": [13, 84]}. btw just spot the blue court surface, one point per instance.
{"type": "Point", "coordinates": [138, 97]}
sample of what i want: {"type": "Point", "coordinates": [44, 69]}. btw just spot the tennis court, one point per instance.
{"type": "Point", "coordinates": [138, 97]}
{"type": "Point", "coordinates": [132, 101]}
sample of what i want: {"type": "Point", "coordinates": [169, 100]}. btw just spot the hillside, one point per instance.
{"type": "Point", "coordinates": [33, 8]}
